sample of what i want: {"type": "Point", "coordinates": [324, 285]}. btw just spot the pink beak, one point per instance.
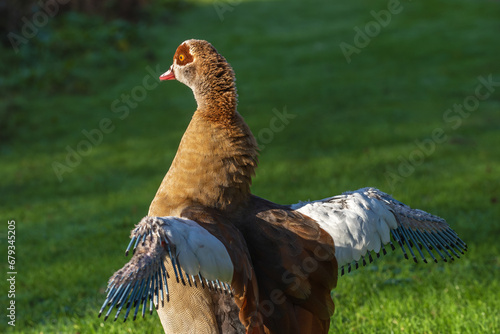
{"type": "Point", "coordinates": [169, 75]}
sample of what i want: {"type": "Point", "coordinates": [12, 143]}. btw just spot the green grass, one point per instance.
{"type": "Point", "coordinates": [353, 124]}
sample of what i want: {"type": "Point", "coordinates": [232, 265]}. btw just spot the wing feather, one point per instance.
{"type": "Point", "coordinates": [365, 220]}
{"type": "Point", "coordinates": [195, 254]}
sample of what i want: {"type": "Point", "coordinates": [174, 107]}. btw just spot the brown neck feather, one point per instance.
{"type": "Point", "coordinates": [216, 158]}
{"type": "Point", "coordinates": [213, 167]}
{"type": "Point", "coordinates": [216, 93]}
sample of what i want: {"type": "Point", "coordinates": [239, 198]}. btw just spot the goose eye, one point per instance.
{"type": "Point", "coordinates": [181, 57]}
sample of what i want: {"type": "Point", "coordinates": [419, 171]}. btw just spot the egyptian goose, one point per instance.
{"type": "Point", "coordinates": [213, 258]}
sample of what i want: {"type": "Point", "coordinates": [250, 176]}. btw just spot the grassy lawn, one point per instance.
{"type": "Point", "coordinates": [387, 115]}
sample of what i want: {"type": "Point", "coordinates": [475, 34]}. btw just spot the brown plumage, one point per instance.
{"type": "Point", "coordinates": [282, 258]}
{"type": "Point", "coordinates": [213, 169]}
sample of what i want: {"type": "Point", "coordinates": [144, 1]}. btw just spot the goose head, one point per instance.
{"type": "Point", "coordinates": [198, 65]}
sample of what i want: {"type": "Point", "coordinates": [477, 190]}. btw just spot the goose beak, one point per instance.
{"type": "Point", "coordinates": [169, 75]}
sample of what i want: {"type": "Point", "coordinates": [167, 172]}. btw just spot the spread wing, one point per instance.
{"type": "Point", "coordinates": [365, 220]}
{"type": "Point", "coordinates": [196, 257]}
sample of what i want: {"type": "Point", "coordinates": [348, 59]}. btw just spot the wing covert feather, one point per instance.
{"type": "Point", "coordinates": [196, 256]}
{"type": "Point", "coordinates": [363, 221]}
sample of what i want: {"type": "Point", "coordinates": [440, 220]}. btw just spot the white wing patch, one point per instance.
{"type": "Point", "coordinates": [195, 256]}
{"type": "Point", "coordinates": [198, 251]}
{"type": "Point", "coordinates": [356, 222]}
{"type": "Point", "coordinates": [364, 220]}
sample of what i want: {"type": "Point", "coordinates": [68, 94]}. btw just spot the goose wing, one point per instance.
{"type": "Point", "coordinates": [364, 221]}
{"type": "Point", "coordinates": [196, 257]}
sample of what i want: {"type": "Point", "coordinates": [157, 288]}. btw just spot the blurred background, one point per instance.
{"type": "Point", "coordinates": [399, 95]}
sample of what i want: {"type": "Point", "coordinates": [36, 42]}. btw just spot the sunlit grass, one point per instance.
{"type": "Point", "coordinates": [353, 123]}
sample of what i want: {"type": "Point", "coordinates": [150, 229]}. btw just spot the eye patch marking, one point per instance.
{"type": "Point", "coordinates": [182, 55]}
